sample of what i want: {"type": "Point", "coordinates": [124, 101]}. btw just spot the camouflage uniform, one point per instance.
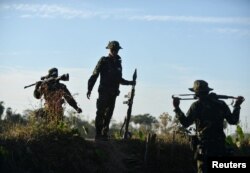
{"type": "Point", "coordinates": [54, 94]}
{"type": "Point", "coordinates": [208, 114]}
{"type": "Point", "coordinates": [110, 70]}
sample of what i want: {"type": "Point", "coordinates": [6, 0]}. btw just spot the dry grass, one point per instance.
{"type": "Point", "coordinates": [55, 147]}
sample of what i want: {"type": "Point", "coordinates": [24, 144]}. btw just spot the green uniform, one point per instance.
{"type": "Point", "coordinates": [110, 70]}
{"type": "Point", "coordinates": [54, 94]}
{"type": "Point", "coordinates": [208, 115]}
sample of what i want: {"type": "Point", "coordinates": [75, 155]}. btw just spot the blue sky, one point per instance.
{"type": "Point", "coordinates": [171, 43]}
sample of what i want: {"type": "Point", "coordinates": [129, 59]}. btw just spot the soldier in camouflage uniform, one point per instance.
{"type": "Point", "coordinates": [110, 70]}
{"type": "Point", "coordinates": [208, 114]}
{"type": "Point", "coordinates": [55, 94]}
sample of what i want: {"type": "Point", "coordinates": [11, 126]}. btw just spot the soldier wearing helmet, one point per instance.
{"type": "Point", "coordinates": [55, 94]}
{"type": "Point", "coordinates": [110, 70]}
{"type": "Point", "coordinates": [208, 114]}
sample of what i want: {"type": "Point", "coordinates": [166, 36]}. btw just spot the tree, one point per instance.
{"type": "Point", "coordinates": [146, 119]}
{"type": "Point", "coordinates": [1, 109]}
{"type": "Point", "coordinates": [13, 117]}
{"type": "Point", "coordinates": [165, 120]}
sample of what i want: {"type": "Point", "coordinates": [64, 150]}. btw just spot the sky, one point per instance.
{"type": "Point", "coordinates": [171, 43]}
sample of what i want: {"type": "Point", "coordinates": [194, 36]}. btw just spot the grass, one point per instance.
{"type": "Point", "coordinates": [55, 147]}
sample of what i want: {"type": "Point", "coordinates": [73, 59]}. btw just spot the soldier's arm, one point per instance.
{"type": "Point", "coordinates": [94, 76]}
{"type": "Point", "coordinates": [38, 90]}
{"type": "Point", "coordinates": [126, 82]}
{"type": "Point", "coordinates": [189, 119]}
{"type": "Point", "coordinates": [69, 98]}
{"type": "Point", "coordinates": [232, 118]}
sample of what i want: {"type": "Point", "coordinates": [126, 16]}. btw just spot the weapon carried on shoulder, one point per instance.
{"type": "Point", "coordinates": [45, 79]}
{"type": "Point", "coordinates": [129, 102]}
{"type": "Point", "coordinates": [194, 97]}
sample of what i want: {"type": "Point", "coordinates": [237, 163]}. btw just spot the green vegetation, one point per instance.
{"type": "Point", "coordinates": [30, 144]}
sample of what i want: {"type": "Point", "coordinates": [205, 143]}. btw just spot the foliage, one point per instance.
{"type": "Point", "coordinates": [84, 127]}
{"type": "Point", "coordinates": [1, 109]}
{"type": "Point", "coordinates": [13, 117]}
{"type": "Point", "coordinates": [239, 142]}
{"type": "Point", "coordinates": [33, 145]}
{"type": "Point", "coordinates": [165, 119]}
{"type": "Point", "coordinates": [146, 119]}
{"type": "Point", "coordinates": [240, 133]}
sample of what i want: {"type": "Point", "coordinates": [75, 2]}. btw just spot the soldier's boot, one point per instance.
{"type": "Point", "coordinates": [105, 135]}
{"type": "Point", "coordinates": [98, 127]}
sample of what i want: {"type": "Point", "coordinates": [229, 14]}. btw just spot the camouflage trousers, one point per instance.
{"type": "Point", "coordinates": [206, 150]}
{"type": "Point", "coordinates": [105, 106]}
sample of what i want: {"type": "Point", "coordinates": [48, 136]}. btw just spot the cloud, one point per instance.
{"type": "Point", "coordinates": [234, 31]}
{"type": "Point", "coordinates": [60, 11]}
{"type": "Point", "coordinates": [49, 11]}
{"type": "Point", "coordinates": [192, 19]}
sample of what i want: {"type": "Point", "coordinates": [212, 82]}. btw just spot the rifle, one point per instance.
{"type": "Point", "coordinates": [194, 97]}
{"type": "Point", "coordinates": [129, 102]}
{"type": "Point", "coordinates": [44, 79]}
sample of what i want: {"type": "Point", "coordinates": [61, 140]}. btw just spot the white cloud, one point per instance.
{"type": "Point", "coordinates": [234, 31]}
{"type": "Point", "coordinates": [193, 19]}
{"type": "Point", "coordinates": [49, 11]}
{"type": "Point", "coordinates": [60, 11]}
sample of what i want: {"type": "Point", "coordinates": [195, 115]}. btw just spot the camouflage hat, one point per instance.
{"type": "Point", "coordinates": [113, 45]}
{"type": "Point", "coordinates": [199, 86]}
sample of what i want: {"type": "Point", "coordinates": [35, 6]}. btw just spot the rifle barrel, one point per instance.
{"type": "Point", "coordinates": [29, 85]}
{"type": "Point", "coordinates": [226, 97]}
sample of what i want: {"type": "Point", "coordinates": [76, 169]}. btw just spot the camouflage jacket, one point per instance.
{"type": "Point", "coordinates": [110, 70]}
{"type": "Point", "coordinates": [208, 116]}
{"type": "Point", "coordinates": [54, 94]}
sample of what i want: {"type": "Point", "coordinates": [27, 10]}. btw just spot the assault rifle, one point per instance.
{"type": "Point", "coordinates": [45, 79]}
{"type": "Point", "coordinates": [194, 97]}
{"type": "Point", "coordinates": [129, 102]}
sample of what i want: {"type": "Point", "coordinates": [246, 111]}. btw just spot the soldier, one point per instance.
{"type": "Point", "coordinates": [55, 94]}
{"type": "Point", "coordinates": [208, 114]}
{"type": "Point", "coordinates": [110, 69]}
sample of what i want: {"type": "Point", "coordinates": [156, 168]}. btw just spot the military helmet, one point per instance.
{"type": "Point", "coordinates": [113, 45]}
{"type": "Point", "coordinates": [53, 72]}
{"type": "Point", "coordinates": [200, 86]}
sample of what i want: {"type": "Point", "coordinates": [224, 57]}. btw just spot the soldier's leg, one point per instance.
{"type": "Point", "coordinates": [108, 115]}
{"type": "Point", "coordinates": [201, 166]}
{"type": "Point", "coordinates": [101, 105]}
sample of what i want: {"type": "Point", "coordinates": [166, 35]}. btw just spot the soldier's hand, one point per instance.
{"type": "Point", "coordinates": [132, 82]}
{"type": "Point", "coordinates": [213, 95]}
{"type": "Point", "coordinates": [88, 94]}
{"type": "Point", "coordinates": [176, 102]}
{"type": "Point", "coordinates": [38, 84]}
{"type": "Point", "coordinates": [79, 110]}
{"type": "Point", "coordinates": [239, 101]}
